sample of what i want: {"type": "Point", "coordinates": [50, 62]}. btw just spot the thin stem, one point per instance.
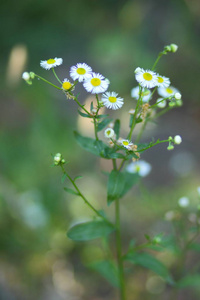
{"type": "Point", "coordinates": [119, 244]}
{"type": "Point", "coordinates": [48, 82]}
{"type": "Point", "coordinates": [135, 114]}
{"type": "Point", "coordinates": [83, 197]}
{"type": "Point", "coordinates": [82, 106]}
{"type": "Point", "coordinates": [141, 130]}
{"type": "Point", "coordinates": [119, 250]}
{"type": "Point", "coordinates": [157, 60]}
{"type": "Point", "coordinates": [56, 76]}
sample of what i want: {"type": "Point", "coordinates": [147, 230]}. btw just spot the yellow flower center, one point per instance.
{"type": "Point", "coordinates": [108, 132]}
{"type": "Point", "coordinates": [51, 61]}
{"type": "Point", "coordinates": [147, 76]}
{"type": "Point", "coordinates": [169, 91]}
{"type": "Point", "coordinates": [112, 99]}
{"type": "Point", "coordinates": [160, 79]}
{"type": "Point", "coordinates": [125, 143]}
{"type": "Point", "coordinates": [81, 71]}
{"type": "Point", "coordinates": [66, 85]}
{"type": "Point", "coordinates": [137, 168]}
{"type": "Point", "coordinates": [95, 81]}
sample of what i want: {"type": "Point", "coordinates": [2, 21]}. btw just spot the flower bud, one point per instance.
{"type": "Point", "coordinates": [174, 47]}
{"type": "Point", "coordinates": [32, 75]}
{"type": "Point", "coordinates": [177, 96]}
{"type": "Point", "coordinates": [57, 159]}
{"type": "Point", "coordinates": [177, 139]}
{"type": "Point", "coordinates": [170, 147]}
{"type": "Point", "coordinates": [26, 76]}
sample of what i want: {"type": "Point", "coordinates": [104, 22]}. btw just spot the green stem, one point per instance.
{"type": "Point", "coordinates": [48, 82]}
{"type": "Point", "coordinates": [82, 106]}
{"type": "Point", "coordinates": [56, 76]}
{"type": "Point", "coordinates": [119, 245]}
{"type": "Point", "coordinates": [119, 251]}
{"type": "Point", "coordinates": [157, 60]}
{"type": "Point", "coordinates": [135, 114]}
{"type": "Point", "coordinates": [83, 197]}
{"type": "Point", "coordinates": [141, 131]}
{"type": "Point", "coordinates": [162, 112]}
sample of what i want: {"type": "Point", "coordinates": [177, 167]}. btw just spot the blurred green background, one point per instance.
{"type": "Point", "coordinates": [37, 261]}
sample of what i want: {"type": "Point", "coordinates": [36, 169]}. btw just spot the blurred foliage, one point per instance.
{"type": "Point", "coordinates": [113, 37]}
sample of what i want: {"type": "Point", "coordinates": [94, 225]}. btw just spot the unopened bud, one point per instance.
{"type": "Point", "coordinates": [177, 139]}
{"type": "Point", "coordinates": [32, 75]}
{"type": "Point", "coordinates": [170, 147]}
{"type": "Point", "coordinates": [177, 96]}
{"type": "Point", "coordinates": [26, 76]}
{"type": "Point", "coordinates": [174, 47]}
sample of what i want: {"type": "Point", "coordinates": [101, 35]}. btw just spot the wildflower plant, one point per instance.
{"type": "Point", "coordinates": [123, 151]}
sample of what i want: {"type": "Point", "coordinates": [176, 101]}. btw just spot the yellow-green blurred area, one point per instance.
{"type": "Point", "coordinates": [37, 260]}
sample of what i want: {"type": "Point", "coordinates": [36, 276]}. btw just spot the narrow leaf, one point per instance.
{"type": "Point", "coordinates": [117, 128]}
{"type": "Point", "coordinates": [89, 230]}
{"type": "Point", "coordinates": [84, 115]}
{"type": "Point", "coordinates": [150, 262]}
{"type": "Point", "coordinates": [103, 124]}
{"type": "Point", "coordinates": [70, 191]}
{"type": "Point", "coordinates": [189, 281]}
{"type": "Point", "coordinates": [78, 177]}
{"type": "Point", "coordinates": [115, 187]}
{"type": "Point", "coordinates": [108, 270]}
{"type": "Point", "coordinates": [63, 178]}
{"type": "Point", "coordinates": [129, 181]}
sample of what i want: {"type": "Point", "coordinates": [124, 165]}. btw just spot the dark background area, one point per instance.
{"type": "Point", "coordinates": [113, 37]}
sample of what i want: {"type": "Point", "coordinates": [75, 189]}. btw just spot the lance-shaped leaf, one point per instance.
{"type": "Point", "coordinates": [129, 181]}
{"type": "Point", "coordinates": [117, 128]}
{"type": "Point", "coordinates": [192, 280]}
{"type": "Point", "coordinates": [150, 262]}
{"type": "Point", "coordinates": [108, 270]}
{"type": "Point", "coordinates": [84, 115]}
{"type": "Point", "coordinates": [101, 125]}
{"type": "Point", "coordinates": [89, 230]}
{"type": "Point", "coordinates": [91, 145]}
{"type": "Point", "coordinates": [116, 183]}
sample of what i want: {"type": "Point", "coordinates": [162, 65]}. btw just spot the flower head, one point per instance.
{"type": "Point", "coordinates": [51, 63]}
{"type": "Point", "coordinates": [146, 94]}
{"type": "Point", "coordinates": [26, 76]}
{"type": "Point", "coordinates": [146, 78]}
{"type": "Point", "coordinates": [80, 72]}
{"type": "Point", "coordinates": [162, 81]}
{"type": "Point", "coordinates": [167, 92]}
{"type": "Point", "coordinates": [96, 84]}
{"type": "Point", "coordinates": [141, 167]}
{"type": "Point", "coordinates": [66, 85]}
{"type": "Point", "coordinates": [126, 143]}
{"type": "Point", "coordinates": [183, 202]}
{"type": "Point", "coordinates": [161, 103]}
{"type": "Point", "coordinates": [109, 133]}
{"type": "Point", "coordinates": [110, 100]}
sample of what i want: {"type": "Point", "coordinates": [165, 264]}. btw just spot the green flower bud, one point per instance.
{"type": "Point", "coordinates": [174, 47]}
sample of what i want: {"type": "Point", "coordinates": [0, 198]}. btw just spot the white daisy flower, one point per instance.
{"type": "Point", "coordinates": [167, 92]}
{"type": "Point", "coordinates": [66, 84]}
{"type": "Point", "coordinates": [146, 94]}
{"type": "Point", "coordinates": [126, 143]}
{"type": "Point", "coordinates": [162, 81]}
{"type": "Point", "coordinates": [109, 133]}
{"type": "Point", "coordinates": [146, 78]}
{"type": "Point", "coordinates": [96, 84]}
{"type": "Point", "coordinates": [141, 167]}
{"type": "Point", "coordinates": [161, 103]}
{"type": "Point", "coordinates": [80, 72]}
{"type": "Point", "coordinates": [183, 202]}
{"type": "Point", "coordinates": [51, 63]}
{"type": "Point", "coordinates": [110, 100]}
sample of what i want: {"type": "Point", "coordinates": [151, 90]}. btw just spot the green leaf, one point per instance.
{"type": "Point", "coordinates": [91, 145]}
{"type": "Point", "coordinates": [108, 270]}
{"type": "Point", "coordinates": [117, 128]}
{"type": "Point", "coordinates": [150, 262]}
{"type": "Point", "coordinates": [116, 155]}
{"type": "Point", "coordinates": [131, 120]}
{"type": "Point", "coordinates": [91, 106]}
{"type": "Point", "coordinates": [129, 181]}
{"type": "Point", "coordinates": [116, 185]}
{"type": "Point", "coordinates": [89, 230]}
{"type": "Point", "coordinates": [103, 124]}
{"type": "Point", "coordinates": [78, 177]}
{"type": "Point", "coordinates": [70, 191]}
{"type": "Point", "coordinates": [101, 116]}
{"type": "Point", "coordinates": [84, 115]}
{"type": "Point", "coordinates": [195, 247]}
{"type": "Point", "coordinates": [189, 281]}
{"type": "Point", "coordinates": [63, 178]}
